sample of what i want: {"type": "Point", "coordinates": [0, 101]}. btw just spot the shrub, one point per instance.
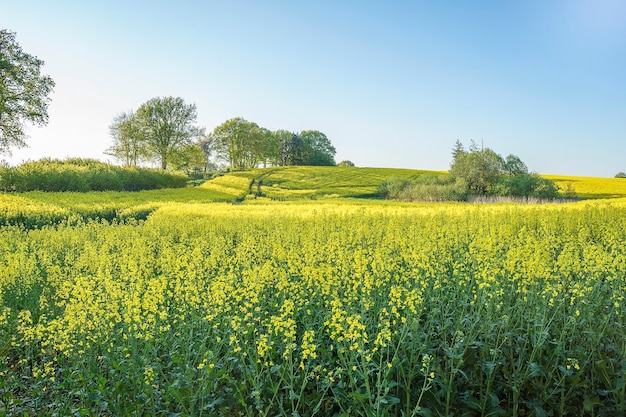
{"type": "Point", "coordinates": [392, 187]}
{"type": "Point", "coordinates": [78, 174]}
{"type": "Point", "coordinates": [526, 185]}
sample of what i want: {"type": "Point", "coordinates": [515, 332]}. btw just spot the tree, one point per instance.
{"type": "Point", "coordinates": [191, 159]}
{"type": "Point", "coordinates": [514, 166]}
{"type": "Point", "coordinates": [241, 143]}
{"type": "Point", "coordinates": [485, 172]}
{"type": "Point", "coordinates": [458, 151]}
{"type": "Point", "coordinates": [620, 175]}
{"type": "Point", "coordinates": [168, 125]}
{"type": "Point", "coordinates": [207, 145]}
{"type": "Point", "coordinates": [317, 149]}
{"type": "Point", "coordinates": [284, 147]}
{"type": "Point", "coordinates": [480, 169]}
{"type": "Point", "coordinates": [345, 163]}
{"type": "Point", "coordinates": [129, 143]}
{"type": "Point", "coordinates": [23, 92]}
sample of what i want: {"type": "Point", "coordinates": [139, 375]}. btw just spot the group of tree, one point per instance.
{"type": "Point", "coordinates": [244, 145]}
{"type": "Point", "coordinates": [487, 173]}
{"type": "Point", "coordinates": [473, 172]}
{"type": "Point", "coordinates": [163, 131]}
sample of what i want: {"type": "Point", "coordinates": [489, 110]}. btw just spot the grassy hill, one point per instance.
{"type": "Point", "coordinates": [295, 183]}
{"type": "Point", "coordinates": [286, 183]}
{"type": "Point", "coordinates": [591, 187]}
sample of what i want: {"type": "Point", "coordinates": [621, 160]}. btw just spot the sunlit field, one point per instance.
{"type": "Point", "coordinates": [309, 307]}
{"type": "Point", "coordinates": [591, 187]}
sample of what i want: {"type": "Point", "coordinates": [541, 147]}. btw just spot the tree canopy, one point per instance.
{"type": "Point", "coordinates": [24, 92]}
{"type": "Point", "coordinates": [243, 145]}
{"type": "Point", "coordinates": [161, 131]}
{"type": "Point", "coordinates": [168, 125]}
{"type": "Point", "coordinates": [129, 145]}
{"type": "Point", "coordinates": [486, 173]}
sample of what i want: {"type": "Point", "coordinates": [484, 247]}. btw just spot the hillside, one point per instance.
{"type": "Point", "coordinates": [302, 182]}
{"type": "Point", "coordinates": [287, 183]}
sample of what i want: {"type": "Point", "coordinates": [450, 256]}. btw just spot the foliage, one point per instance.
{"type": "Point", "coordinates": [525, 185]}
{"type": "Point", "coordinates": [424, 188]}
{"type": "Point", "coordinates": [345, 163]}
{"type": "Point", "coordinates": [620, 175]}
{"type": "Point", "coordinates": [241, 143]}
{"type": "Point", "coordinates": [244, 145]}
{"type": "Point", "coordinates": [316, 149]}
{"type": "Point", "coordinates": [191, 159]}
{"type": "Point", "coordinates": [24, 92]}
{"type": "Point", "coordinates": [76, 174]}
{"type": "Point", "coordinates": [160, 130]}
{"type": "Point", "coordinates": [378, 308]}
{"type": "Point", "coordinates": [129, 141]}
{"type": "Point", "coordinates": [487, 173]}
{"type": "Point", "coordinates": [479, 169]}
{"type": "Point", "coordinates": [392, 187]}
{"type": "Point", "coordinates": [168, 125]}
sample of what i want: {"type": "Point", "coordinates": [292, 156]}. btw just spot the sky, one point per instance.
{"type": "Point", "coordinates": [391, 84]}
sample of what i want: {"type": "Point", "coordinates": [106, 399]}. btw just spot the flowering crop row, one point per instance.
{"type": "Point", "coordinates": [318, 309]}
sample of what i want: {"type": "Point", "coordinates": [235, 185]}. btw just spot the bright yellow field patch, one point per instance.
{"type": "Point", "coordinates": [279, 308]}
{"type": "Point", "coordinates": [591, 187]}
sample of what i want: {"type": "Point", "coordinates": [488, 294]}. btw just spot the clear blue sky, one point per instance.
{"type": "Point", "coordinates": [392, 84]}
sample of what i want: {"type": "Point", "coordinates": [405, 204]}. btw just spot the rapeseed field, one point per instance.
{"type": "Point", "coordinates": [336, 307]}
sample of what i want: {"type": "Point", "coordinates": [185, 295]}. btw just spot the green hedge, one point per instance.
{"type": "Point", "coordinates": [76, 174]}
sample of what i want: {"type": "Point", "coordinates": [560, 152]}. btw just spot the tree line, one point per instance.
{"type": "Point", "coordinates": [163, 130]}
{"type": "Point", "coordinates": [474, 172]}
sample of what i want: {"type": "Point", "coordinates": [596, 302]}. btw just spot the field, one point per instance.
{"type": "Point", "coordinates": [310, 301]}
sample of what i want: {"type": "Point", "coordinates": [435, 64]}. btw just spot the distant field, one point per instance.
{"type": "Point", "coordinates": [330, 182]}
{"type": "Point", "coordinates": [591, 187]}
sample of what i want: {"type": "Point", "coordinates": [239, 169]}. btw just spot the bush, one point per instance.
{"type": "Point", "coordinates": [424, 188]}
{"type": "Point", "coordinates": [77, 174]}
{"type": "Point", "coordinates": [345, 163]}
{"type": "Point", "coordinates": [392, 187]}
{"type": "Point", "coordinates": [620, 175]}
{"type": "Point", "coordinates": [435, 188]}
{"type": "Point", "coordinates": [526, 185]}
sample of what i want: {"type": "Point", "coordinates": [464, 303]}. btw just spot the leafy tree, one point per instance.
{"type": "Point", "coordinates": [458, 151]}
{"type": "Point", "coordinates": [514, 166]}
{"type": "Point", "coordinates": [23, 92]}
{"type": "Point", "coordinates": [129, 142]}
{"type": "Point", "coordinates": [316, 149]}
{"type": "Point", "coordinates": [207, 145]}
{"type": "Point", "coordinates": [284, 147]}
{"type": "Point", "coordinates": [168, 125]}
{"type": "Point", "coordinates": [485, 172]}
{"type": "Point", "coordinates": [191, 159]}
{"type": "Point", "coordinates": [620, 175]}
{"type": "Point", "coordinates": [345, 163]}
{"type": "Point", "coordinates": [479, 169]}
{"type": "Point", "coordinates": [525, 185]}
{"type": "Point", "coordinates": [241, 143]}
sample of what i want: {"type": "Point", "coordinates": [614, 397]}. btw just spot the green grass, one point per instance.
{"type": "Point", "coordinates": [286, 183]}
